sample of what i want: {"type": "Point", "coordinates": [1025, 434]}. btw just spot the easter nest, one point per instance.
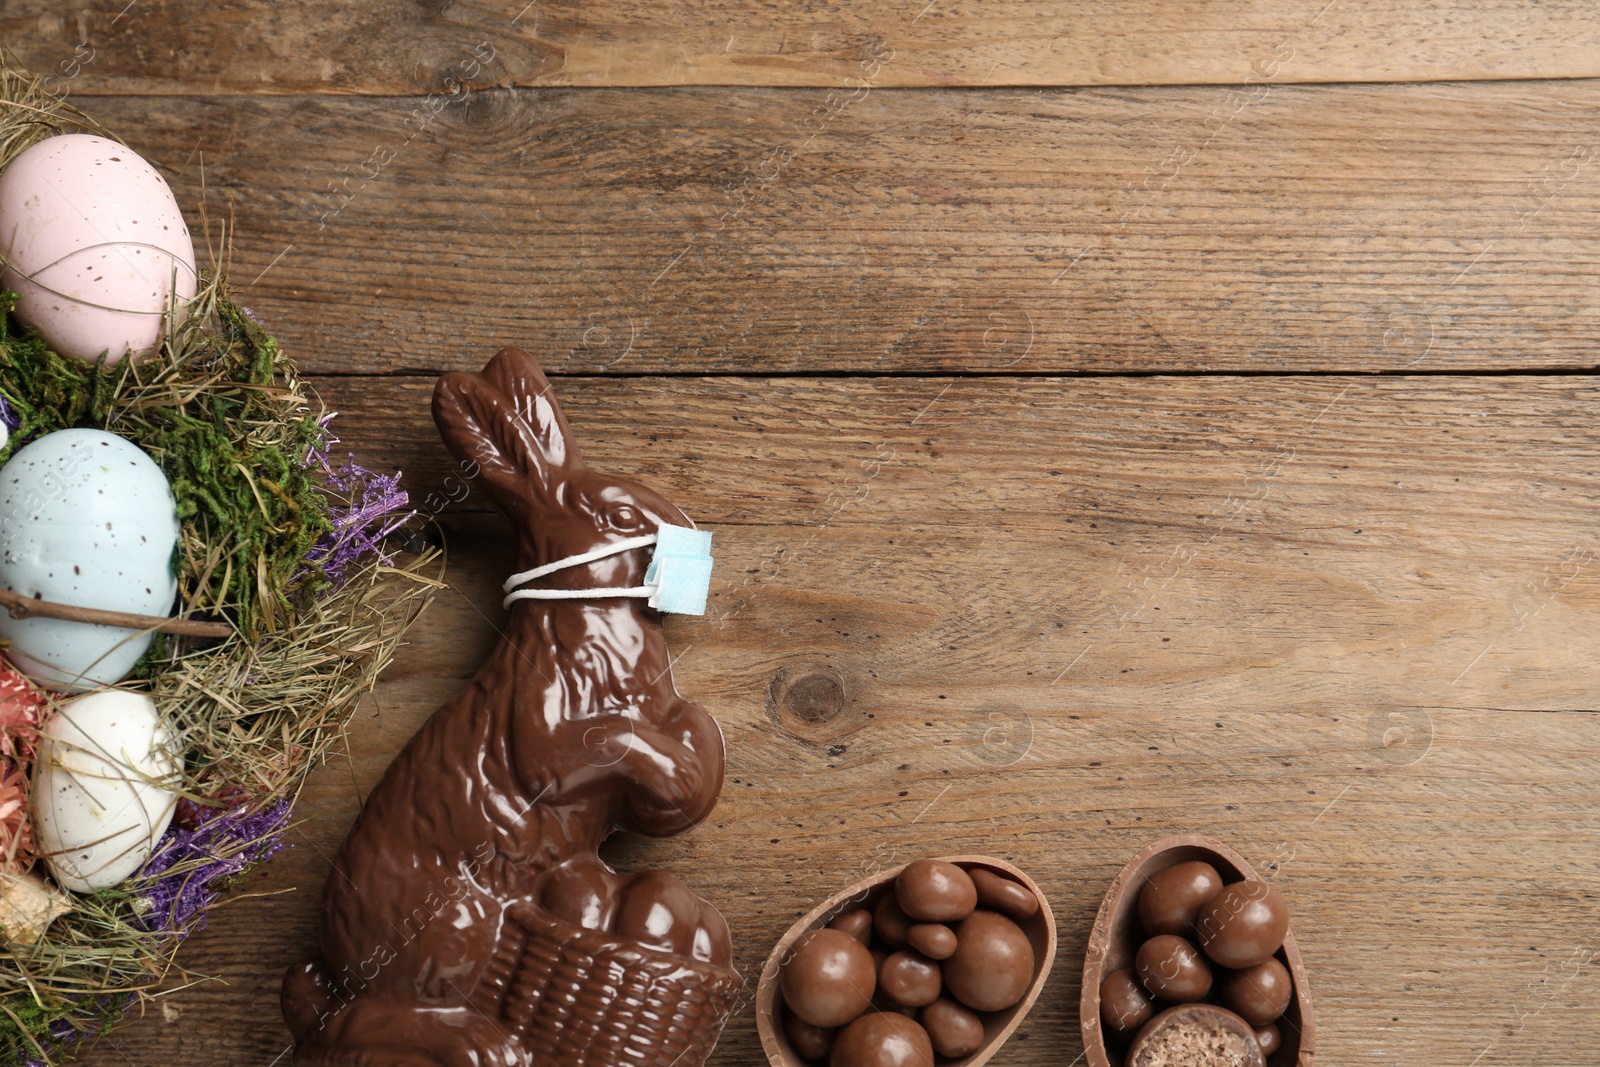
{"type": "Point", "coordinates": [282, 542]}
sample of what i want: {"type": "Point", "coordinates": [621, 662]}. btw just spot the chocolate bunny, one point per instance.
{"type": "Point", "coordinates": [469, 920]}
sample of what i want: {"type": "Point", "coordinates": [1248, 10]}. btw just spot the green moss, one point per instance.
{"type": "Point", "coordinates": [221, 410]}
{"type": "Point", "coordinates": [231, 438]}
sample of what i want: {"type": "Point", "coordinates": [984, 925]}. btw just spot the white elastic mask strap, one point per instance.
{"type": "Point", "coordinates": [616, 547]}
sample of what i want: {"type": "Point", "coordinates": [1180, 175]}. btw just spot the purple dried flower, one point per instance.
{"type": "Point", "coordinates": [365, 507]}
{"type": "Point", "coordinates": [229, 843]}
{"type": "Point", "coordinates": [208, 854]}
{"type": "Point", "coordinates": [8, 416]}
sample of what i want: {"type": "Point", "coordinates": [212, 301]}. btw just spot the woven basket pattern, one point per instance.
{"type": "Point", "coordinates": [585, 999]}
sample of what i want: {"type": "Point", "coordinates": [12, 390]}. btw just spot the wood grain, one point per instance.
{"type": "Point", "coordinates": [1058, 507]}
{"type": "Point", "coordinates": [394, 47]}
{"type": "Point", "coordinates": [1413, 228]}
{"type": "Point", "coordinates": [1341, 624]}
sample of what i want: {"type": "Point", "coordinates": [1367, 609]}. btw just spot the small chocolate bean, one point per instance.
{"type": "Point", "coordinates": [993, 963]}
{"type": "Point", "coordinates": [1257, 994]}
{"type": "Point", "coordinates": [879, 1040]}
{"type": "Point", "coordinates": [955, 1030]}
{"type": "Point", "coordinates": [933, 940]}
{"type": "Point", "coordinates": [1169, 900]}
{"type": "Point", "coordinates": [1195, 1034]}
{"type": "Point", "coordinates": [910, 979]}
{"type": "Point", "coordinates": [882, 1001]}
{"type": "Point", "coordinates": [811, 1042]}
{"type": "Point", "coordinates": [889, 923]}
{"type": "Point", "coordinates": [1012, 899]}
{"type": "Point", "coordinates": [1173, 969]}
{"type": "Point", "coordinates": [857, 923]}
{"type": "Point", "coordinates": [1243, 923]}
{"type": "Point", "coordinates": [1124, 1004]}
{"type": "Point", "coordinates": [828, 978]}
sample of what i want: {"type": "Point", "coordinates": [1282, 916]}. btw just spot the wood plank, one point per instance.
{"type": "Point", "coordinates": [1411, 228]}
{"type": "Point", "coordinates": [393, 47]}
{"type": "Point", "coordinates": [1504, 464]}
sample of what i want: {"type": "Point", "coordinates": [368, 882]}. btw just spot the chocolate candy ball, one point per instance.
{"type": "Point", "coordinates": [1243, 923]}
{"type": "Point", "coordinates": [857, 923]}
{"type": "Point", "coordinates": [811, 1042]}
{"type": "Point", "coordinates": [933, 891]}
{"type": "Point", "coordinates": [993, 962]}
{"type": "Point", "coordinates": [1258, 994]}
{"type": "Point", "coordinates": [1195, 1034]}
{"type": "Point", "coordinates": [828, 979]}
{"type": "Point", "coordinates": [879, 1040]}
{"type": "Point", "coordinates": [1124, 1004]}
{"type": "Point", "coordinates": [890, 923]}
{"type": "Point", "coordinates": [1171, 898]}
{"type": "Point", "coordinates": [882, 1002]}
{"type": "Point", "coordinates": [1172, 969]}
{"type": "Point", "coordinates": [955, 1031]}
{"type": "Point", "coordinates": [933, 940]}
{"type": "Point", "coordinates": [1269, 1039]}
{"type": "Point", "coordinates": [910, 979]}
{"type": "Point", "coordinates": [1011, 899]}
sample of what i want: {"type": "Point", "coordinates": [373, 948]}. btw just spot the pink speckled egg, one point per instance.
{"type": "Point", "coordinates": [95, 247]}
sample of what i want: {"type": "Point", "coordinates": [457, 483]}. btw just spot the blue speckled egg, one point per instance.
{"type": "Point", "coordinates": [86, 518]}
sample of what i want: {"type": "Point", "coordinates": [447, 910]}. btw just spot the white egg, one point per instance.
{"type": "Point", "coordinates": [87, 519]}
{"type": "Point", "coordinates": [103, 787]}
{"type": "Point", "coordinates": [94, 245]}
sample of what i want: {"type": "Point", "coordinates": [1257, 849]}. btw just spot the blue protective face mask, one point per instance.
{"type": "Point", "coordinates": [677, 581]}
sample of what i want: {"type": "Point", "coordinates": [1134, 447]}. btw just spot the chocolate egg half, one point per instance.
{"type": "Point", "coordinates": [950, 1026]}
{"type": "Point", "coordinates": [1117, 936]}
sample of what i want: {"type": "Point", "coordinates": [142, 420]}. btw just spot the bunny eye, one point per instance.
{"type": "Point", "coordinates": [624, 516]}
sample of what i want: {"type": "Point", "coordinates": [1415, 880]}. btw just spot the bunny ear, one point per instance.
{"type": "Point", "coordinates": [506, 421]}
{"type": "Point", "coordinates": [516, 377]}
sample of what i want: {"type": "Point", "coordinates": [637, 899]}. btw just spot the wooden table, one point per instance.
{"type": "Point", "coordinates": [1116, 419]}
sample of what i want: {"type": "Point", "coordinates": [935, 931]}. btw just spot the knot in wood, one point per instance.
{"type": "Point", "coordinates": [813, 702]}
{"type": "Point", "coordinates": [815, 698]}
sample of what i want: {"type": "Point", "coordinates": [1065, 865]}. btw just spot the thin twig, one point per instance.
{"type": "Point", "coordinates": [22, 607]}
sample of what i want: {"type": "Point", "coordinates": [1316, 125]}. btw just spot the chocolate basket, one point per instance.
{"type": "Point", "coordinates": [581, 998]}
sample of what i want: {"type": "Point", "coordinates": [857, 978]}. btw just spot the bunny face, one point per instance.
{"type": "Point", "coordinates": [596, 510]}
{"type": "Point", "coordinates": [505, 425]}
